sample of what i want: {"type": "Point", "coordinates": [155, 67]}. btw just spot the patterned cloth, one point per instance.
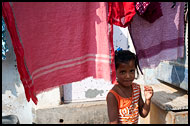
{"type": "Point", "coordinates": [4, 41]}
{"type": "Point", "coordinates": [141, 7]}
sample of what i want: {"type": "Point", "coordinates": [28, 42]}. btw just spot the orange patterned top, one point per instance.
{"type": "Point", "coordinates": [128, 107]}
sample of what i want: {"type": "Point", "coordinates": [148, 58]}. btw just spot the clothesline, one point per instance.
{"type": "Point", "coordinates": [56, 48]}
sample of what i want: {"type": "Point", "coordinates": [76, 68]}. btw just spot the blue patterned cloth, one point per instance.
{"type": "Point", "coordinates": [4, 42]}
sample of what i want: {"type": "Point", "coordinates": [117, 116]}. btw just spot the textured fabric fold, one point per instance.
{"type": "Point", "coordinates": [121, 13]}
{"type": "Point", "coordinates": [63, 42]}
{"type": "Point", "coordinates": [113, 69]}
{"type": "Point", "coordinates": [160, 40]}
{"type": "Point", "coordinates": [152, 12]}
{"type": "Point", "coordinates": [18, 49]}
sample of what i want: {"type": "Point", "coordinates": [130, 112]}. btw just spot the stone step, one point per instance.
{"type": "Point", "coordinates": [74, 113]}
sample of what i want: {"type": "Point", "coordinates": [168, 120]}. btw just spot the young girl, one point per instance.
{"type": "Point", "coordinates": [124, 101]}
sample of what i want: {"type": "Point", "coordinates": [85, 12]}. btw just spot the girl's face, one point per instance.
{"type": "Point", "coordinates": [126, 73]}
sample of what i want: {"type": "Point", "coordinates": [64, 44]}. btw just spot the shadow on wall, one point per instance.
{"type": "Point", "coordinates": [10, 75]}
{"type": "Point", "coordinates": [92, 93]}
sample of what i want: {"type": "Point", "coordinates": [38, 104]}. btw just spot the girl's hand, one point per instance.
{"type": "Point", "coordinates": [148, 92]}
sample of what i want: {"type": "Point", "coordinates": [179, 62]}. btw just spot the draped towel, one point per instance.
{"type": "Point", "coordinates": [61, 42]}
{"type": "Point", "coordinates": [160, 40]}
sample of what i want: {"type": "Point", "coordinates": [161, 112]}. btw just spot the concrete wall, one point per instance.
{"type": "Point", "coordinates": [74, 113]}
{"type": "Point", "coordinates": [13, 96]}
{"type": "Point", "coordinates": [88, 89]}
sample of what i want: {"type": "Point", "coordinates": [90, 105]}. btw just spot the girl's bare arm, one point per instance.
{"type": "Point", "coordinates": [144, 108]}
{"type": "Point", "coordinates": [112, 107]}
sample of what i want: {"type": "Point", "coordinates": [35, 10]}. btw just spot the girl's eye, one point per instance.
{"type": "Point", "coordinates": [122, 72]}
{"type": "Point", "coordinates": [132, 70]}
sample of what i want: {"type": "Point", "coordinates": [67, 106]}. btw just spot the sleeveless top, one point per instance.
{"type": "Point", "coordinates": [128, 107]}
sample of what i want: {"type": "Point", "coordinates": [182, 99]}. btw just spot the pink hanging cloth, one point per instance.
{"type": "Point", "coordinates": [18, 49]}
{"type": "Point", "coordinates": [162, 39]}
{"type": "Point", "coordinates": [60, 42]}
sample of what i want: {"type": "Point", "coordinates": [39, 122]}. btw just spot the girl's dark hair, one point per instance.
{"type": "Point", "coordinates": [124, 56]}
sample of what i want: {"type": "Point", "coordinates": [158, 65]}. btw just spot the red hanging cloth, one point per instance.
{"type": "Point", "coordinates": [121, 13]}
{"type": "Point", "coordinates": [18, 49]}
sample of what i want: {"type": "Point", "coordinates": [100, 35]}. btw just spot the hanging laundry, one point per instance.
{"type": "Point", "coordinates": [162, 39]}
{"type": "Point", "coordinates": [61, 42]}
{"type": "Point", "coordinates": [152, 13]}
{"type": "Point", "coordinates": [4, 41]}
{"type": "Point", "coordinates": [121, 13]}
{"type": "Point", "coordinates": [141, 7]}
